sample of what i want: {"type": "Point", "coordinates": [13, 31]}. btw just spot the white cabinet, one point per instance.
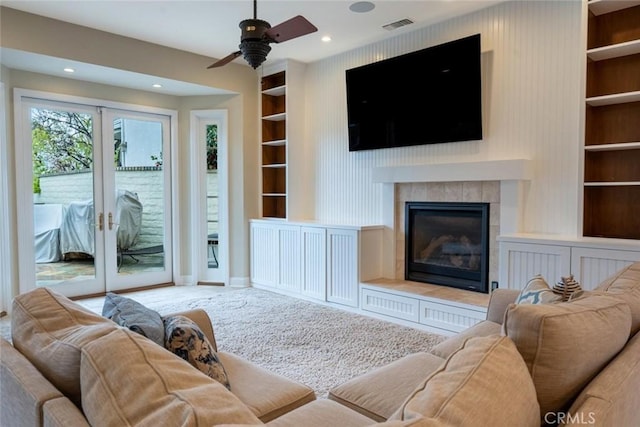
{"type": "Point", "coordinates": [313, 260]}
{"type": "Point", "coordinates": [342, 266]}
{"type": "Point", "coordinates": [590, 260]}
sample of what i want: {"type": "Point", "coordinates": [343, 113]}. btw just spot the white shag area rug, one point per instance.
{"type": "Point", "coordinates": [316, 345]}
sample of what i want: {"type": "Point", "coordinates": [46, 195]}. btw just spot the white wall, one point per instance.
{"type": "Point", "coordinates": [531, 63]}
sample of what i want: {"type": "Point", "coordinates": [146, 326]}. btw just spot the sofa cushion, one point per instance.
{"type": "Point", "coordinates": [612, 398]}
{"type": "Point", "coordinates": [267, 394]}
{"type": "Point", "coordinates": [626, 285]}
{"type": "Point", "coordinates": [378, 393]}
{"type": "Point", "coordinates": [537, 291]}
{"type": "Point", "coordinates": [135, 316]}
{"type": "Point", "coordinates": [184, 338]}
{"type": "Point", "coordinates": [484, 383]}
{"type": "Point", "coordinates": [565, 345]}
{"type": "Point", "coordinates": [50, 330]}
{"type": "Point", "coordinates": [148, 386]}
{"type": "Point", "coordinates": [451, 344]}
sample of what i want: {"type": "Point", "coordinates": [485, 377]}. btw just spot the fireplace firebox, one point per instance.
{"type": "Point", "coordinates": [448, 244]}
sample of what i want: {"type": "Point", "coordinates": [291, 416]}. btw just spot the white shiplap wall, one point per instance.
{"type": "Point", "coordinates": [532, 62]}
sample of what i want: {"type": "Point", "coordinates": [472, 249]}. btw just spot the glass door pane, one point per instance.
{"type": "Point", "coordinates": [138, 213]}
{"type": "Point", "coordinates": [213, 235]}
{"type": "Point", "coordinates": [66, 222]}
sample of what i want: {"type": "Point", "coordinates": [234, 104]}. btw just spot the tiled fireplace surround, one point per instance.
{"type": "Point", "coordinates": [501, 183]}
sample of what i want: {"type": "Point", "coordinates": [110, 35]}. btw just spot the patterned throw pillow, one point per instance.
{"type": "Point", "coordinates": [537, 291]}
{"type": "Point", "coordinates": [134, 316]}
{"type": "Point", "coordinates": [184, 338]}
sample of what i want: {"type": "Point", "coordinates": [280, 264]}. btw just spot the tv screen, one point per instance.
{"type": "Point", "coordinates": [425, 97]}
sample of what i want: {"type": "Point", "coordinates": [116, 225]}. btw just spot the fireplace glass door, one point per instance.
{"type": "Point", "coordinates": [447, 244]}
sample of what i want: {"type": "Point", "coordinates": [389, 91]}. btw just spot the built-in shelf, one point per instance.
{"type": "Point", "coordinates": [276, 143]}
{"type": "Point", "coordinates": [613, 147]}
{"type": "Point", "coordinates": [276, 117]}
{"type": "Point", "coordinates": [612, 184]}
{"type": "Point", "coordinates": [601, 7]}
{"type": "Point", "coordinates": [612, 129]}
{"type": "Point", "coordinates": [614, 51]}
{"type": "Point", "coordinates": [275, 91]}
{"type": "Point", "coordinates": [617, 98]}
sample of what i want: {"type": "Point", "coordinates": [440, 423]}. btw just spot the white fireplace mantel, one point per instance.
{"type": "Point", "coordinates": [512, 174]}
{"type": "Point", "coordinates": [490, 170]}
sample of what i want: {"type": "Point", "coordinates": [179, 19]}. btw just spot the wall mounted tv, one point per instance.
{"type": "Point", "coordinates": [430, 96]}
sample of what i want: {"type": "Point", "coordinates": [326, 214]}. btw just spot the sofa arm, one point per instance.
{"type": "Point", "coordinates": [24, 389]}
{"type": "Point", "coordinates": [498, 303]}
{"type": "Point", "coordinates": [61, 412]}
{"type": "Point", "coordinates": [203, 320]}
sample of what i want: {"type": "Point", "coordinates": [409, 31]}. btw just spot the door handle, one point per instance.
{"type": "Point", "coordinates": [100, 221]}
{"type": "Point", "coordinates": [110, 221]}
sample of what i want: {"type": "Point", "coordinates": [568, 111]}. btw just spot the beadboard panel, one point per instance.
{"type": "Point", "coordinates": [531, 65]}
{"type": "Point", "coordinates": [342, 266]}
{"type": "Point", "coordinates": [289, 247]}
{"type": "Point", "coordinates": [314, 273]}
{"type": "Point", "coordinates": [592, 266]}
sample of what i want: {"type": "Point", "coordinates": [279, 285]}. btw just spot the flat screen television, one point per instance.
{"type": "Point", "coordinates": [430, 96]}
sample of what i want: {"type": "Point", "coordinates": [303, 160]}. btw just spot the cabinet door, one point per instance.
{"type": "Point", "coordinates": [342, 266]}
{"type": "Point", "coordinates": [591, 266]}
{"type": "Point", "coordinates": [314, 262]}
{"type": "Point", "coordinates": [289, 258]}
{"type": "Point", "coordinates": [265, 261]}
{"type": "Point", "coordinates": [519, 262]}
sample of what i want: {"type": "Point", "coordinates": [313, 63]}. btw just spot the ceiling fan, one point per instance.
{"type": "Point", "coordinates": [257, 35]}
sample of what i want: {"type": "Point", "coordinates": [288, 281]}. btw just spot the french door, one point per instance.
{"type": "Point", "coordinates": [94, 194]}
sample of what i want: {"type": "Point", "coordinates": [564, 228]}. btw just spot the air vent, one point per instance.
{"type": "Point", "coordinates": [401, 23]}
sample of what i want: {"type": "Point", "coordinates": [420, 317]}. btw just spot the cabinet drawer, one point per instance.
{"type": "Point", "coordinates": [449, 317]}
{"type": "Point", "coordinates": [397, 306]}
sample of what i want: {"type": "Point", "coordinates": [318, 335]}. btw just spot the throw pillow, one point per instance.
{"type": "Point", "coordinates": [484, 383]}
{"type": "Point", "coordinates": [566, 344]}
{"type": "Point", "coordinates": [148, 386]}
{"type": "Point", "coordinates": [185, 339]}
{"type": "Point", "coordinates": [537, 291]}
{"type": "Point", "coordinates": [135, 316]}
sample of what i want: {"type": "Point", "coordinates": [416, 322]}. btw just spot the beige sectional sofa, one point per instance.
{"type": "Point", "coordinates": [570, 363]}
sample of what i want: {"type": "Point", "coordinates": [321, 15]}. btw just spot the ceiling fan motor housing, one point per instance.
{"type": "Point", "coordinates": [254, 52]}
{"type": "Point", "coordinates": [253, 45]}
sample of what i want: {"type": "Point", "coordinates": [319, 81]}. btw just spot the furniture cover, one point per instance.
{"type": "Point", "coordinates": [77, 230]}
{"type": "Point", "coordinates": [46, 228]}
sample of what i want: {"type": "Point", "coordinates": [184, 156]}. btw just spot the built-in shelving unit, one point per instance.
{"type": "Point", "coordinates": [612, 120]}
{"type": "Point", "coordinates": [284, 193]}
{"type": "Point", "coordinates": [274, 145]}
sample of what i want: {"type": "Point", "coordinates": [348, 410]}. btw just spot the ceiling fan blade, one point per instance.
{"type": "Point", "coordinates": [290, 29]}
{"type": "Point", "coordinates": [225, 60]}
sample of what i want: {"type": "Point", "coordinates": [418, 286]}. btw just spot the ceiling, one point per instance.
{"type": "Point", "coordinates": [210, 28]}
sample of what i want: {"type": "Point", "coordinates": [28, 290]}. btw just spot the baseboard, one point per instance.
{"type": "Point", "coordinates": [239, 282]}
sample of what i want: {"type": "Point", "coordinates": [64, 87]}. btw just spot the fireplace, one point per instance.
{"type": "Point", "coordinates": [448, 244]}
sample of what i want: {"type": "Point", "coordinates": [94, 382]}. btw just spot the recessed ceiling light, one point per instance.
{"type": "Point", "coordinates": [326, 39]}
{"type": "Point", "coordinates": [157, 85]}
{"type": "Point", "coordinates": [362, 7]}
{"type": "Point", "coordinates": [69, 70]}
